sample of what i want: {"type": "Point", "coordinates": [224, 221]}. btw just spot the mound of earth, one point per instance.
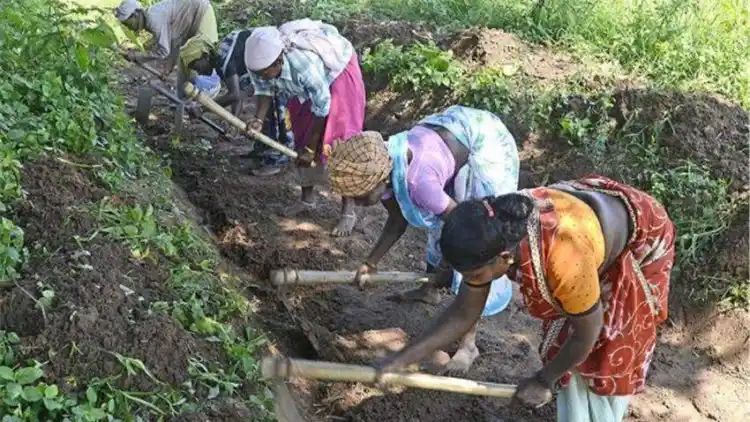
{"type": "Point", "coordinates": [501, 50]}
{"type": "Point", "coordinates": [703, 128]}
{"type": "Point", "coordinates": [101, 295]}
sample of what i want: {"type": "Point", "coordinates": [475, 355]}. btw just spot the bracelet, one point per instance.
{"type": "Point", "coordinates": [310, 150]}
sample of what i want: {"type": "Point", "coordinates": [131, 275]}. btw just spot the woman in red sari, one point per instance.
{"type": "Point", "coordinates": [593, 258]}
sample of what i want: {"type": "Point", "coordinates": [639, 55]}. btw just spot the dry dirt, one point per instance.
{"type": "Point", "coordinates": [501, 50]}
{"type": "Point", "coordinates": [699, 371]}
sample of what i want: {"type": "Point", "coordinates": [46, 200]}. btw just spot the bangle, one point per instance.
{"type": "Point", "coordinates": [310, 150]}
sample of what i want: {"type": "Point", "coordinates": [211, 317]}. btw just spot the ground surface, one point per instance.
{"type": "Point", "coordinates": [700, 371]}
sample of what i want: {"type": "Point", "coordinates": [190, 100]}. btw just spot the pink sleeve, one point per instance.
{"type": "Point", "coordinates": [427, 192]}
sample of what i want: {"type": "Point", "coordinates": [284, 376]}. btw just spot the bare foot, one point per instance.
{"type": "Point", "coordinates": [462, 360]}
{"type": "Point", "coordinates": [345, 225]}
{"type": "Point", "coordinates": [299, 208]}
{"type": "Point", "coordinates": [425, 294]}
{"type": "Point", "coordinates": [437, 361]}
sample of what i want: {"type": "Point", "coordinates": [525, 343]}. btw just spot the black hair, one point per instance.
{"type": "Point", "coordinates": [475, 233]}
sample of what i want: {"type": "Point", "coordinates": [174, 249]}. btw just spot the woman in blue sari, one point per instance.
{"type": "Point", "coordinates": [420, 175]}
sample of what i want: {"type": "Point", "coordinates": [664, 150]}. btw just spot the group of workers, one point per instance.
{"type": "Point", "coordinates": [592, 256]}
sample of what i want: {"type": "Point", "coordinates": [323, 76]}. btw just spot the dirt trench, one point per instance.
{"type": "Point", "coordinates": [698, 368]}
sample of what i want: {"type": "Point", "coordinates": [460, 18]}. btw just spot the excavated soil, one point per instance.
{"type": "Point", "coordinates": [703, 128]}
{"type": "Point", "coordinates": [699, 368]}
{"type": "Point", "coordinates": [102, 295]}
{"type": "Point", "coordinates": [501, 50]}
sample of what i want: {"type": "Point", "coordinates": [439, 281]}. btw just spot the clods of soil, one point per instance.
{"type": "Point", "coordinates": [101, 295]}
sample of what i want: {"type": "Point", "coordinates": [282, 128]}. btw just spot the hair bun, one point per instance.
{"type": "Point", "coordinates": [513, 206]}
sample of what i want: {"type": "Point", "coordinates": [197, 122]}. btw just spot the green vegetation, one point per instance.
{"type": "Point", "coordinates": [688, 44]}
{"type": "Point", "coordinates": [57, 100]}
{"type": "Point", "coordinates": [685, 44]}
{"type": "Point", "coordinates": [700, 205]}
{"type": "Point", "coordinates": [55, 106]}
{"type": "Point", "coordinates": [418, 67]}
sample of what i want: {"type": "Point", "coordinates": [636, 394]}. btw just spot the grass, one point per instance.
{"type": "Point", "coordinates": [67, 106]}
{"type": "Point", "coordinates": [683, 44]}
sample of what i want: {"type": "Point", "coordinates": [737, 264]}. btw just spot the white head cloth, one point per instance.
{"type": "Point", "coordinates": [126, 9]}
{"type": "Point", "coordinates": [266, 44]}
{"type": "Point", "coordinates": [263, 47]}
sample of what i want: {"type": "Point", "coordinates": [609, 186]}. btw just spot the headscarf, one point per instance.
{"type": "Point", "coordinates": [357, 166]}
{"type": "Point", "coordinates": [194, 48]}
{"type": "Point", "coordinates": [263, 47]}
{"type": "Point", "coordinates": [126, 9]}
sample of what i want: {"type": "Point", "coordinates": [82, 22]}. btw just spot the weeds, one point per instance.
{"type": "Point", "coordinates": [688, 44]}
{"type": "Point", "coordinates": [205, 305]}
{"type": "Point", "coordinates": [12, 251]}
{"type": "Point", "coordinates": [491, 90]}
{"type": "Point", "coordinates": [417, 67]}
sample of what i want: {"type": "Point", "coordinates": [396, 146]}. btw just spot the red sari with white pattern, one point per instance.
{"type": "Point", "coordinates": [634, 289]}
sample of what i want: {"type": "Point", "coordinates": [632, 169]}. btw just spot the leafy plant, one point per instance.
{"type": "Point", "coordinates": [490, 90]}
{"type": "Point", "coordinates": [418, 66]}
{"type": "Point", "coordinates": [12, 251]}
{"type": "Point", "coordinates": [137, 227]}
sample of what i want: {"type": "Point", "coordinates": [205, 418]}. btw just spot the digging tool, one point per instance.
{"type": "Point", "coordinates": [143, 107]}
{"type": "Point", "coordinates": [195, 94]}
{"type": "Point", "coordinates": [143, 66]}
{"type": "Point", "coordinates": [290, 277]}
{"type": "Point", "coordinates": [284, 368]}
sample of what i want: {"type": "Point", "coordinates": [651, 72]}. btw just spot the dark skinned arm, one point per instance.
{"type": "Point", "coordinates": [173, 58]}
{"type": "Point", "coordinates": [316, 132]}
{"type": "Point", "coordinates": [394, 228]}
{"type": "Point", "coordinates": [449, 326]}
{"type": "Point", "coordinates": [232, 97]}
{"type": "Point", "coordinates": [263, 104]}
{"type": "Point", "coordinates": [537, 390]}
{"type": "Point", "coordinates": [585, 331]}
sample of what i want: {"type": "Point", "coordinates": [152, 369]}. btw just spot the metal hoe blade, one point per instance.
{"type": "Point", "coordinates": [143, 106]}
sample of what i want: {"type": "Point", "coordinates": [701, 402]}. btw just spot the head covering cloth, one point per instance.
{"type": "Point", "coordinates": [263, 47]}
{"type": "Point", "coordinates": [126, 9]}
{"type": "Point", "coordinates": [194, 49]}
{"type": "Point", "coordinates": [357, 166]}
{"type": "Point", "coordinates": [266, 44]}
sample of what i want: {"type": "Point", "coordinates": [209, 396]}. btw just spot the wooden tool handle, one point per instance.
{"type": "Point", "coordinates": [144, 66]}
{"type": "Point", "coordinates": [288, 277]}
{"type": "Point", "coordinates": [330, 371]}
{"type": "Point", "coordinates": [235, 121]}
{"type": "Point", "coordinates": [175, 99]}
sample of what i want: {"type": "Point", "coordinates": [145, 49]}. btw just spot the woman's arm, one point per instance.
{"type": "Point", "coordinates": [586, 329]}
{"type": "Point", "coordinates": [450, 326]}
{"type": "Point", "coordinates": [394, 228]}
{"type": "Point", "coordinates": [537, 390]}
{"type": "Point", "coordinates": [232, 97]}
